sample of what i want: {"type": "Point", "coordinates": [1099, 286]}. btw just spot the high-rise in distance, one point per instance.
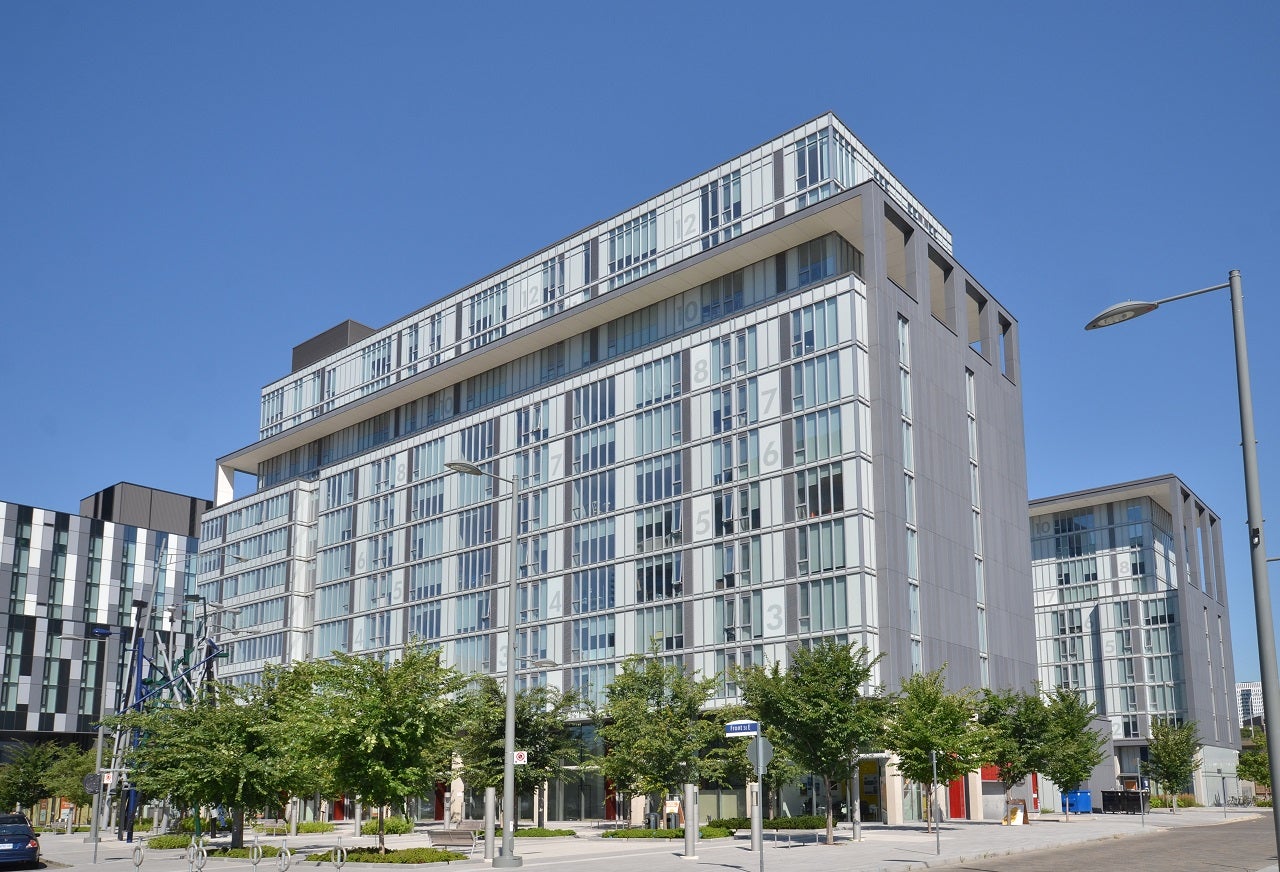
{"type": "Point", "coordinates": [765, 407]}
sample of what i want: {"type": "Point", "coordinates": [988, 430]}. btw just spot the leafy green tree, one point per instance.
{"type": "Point", "coordinates": [388, 730]}
{"type": "Point", "coordinates": [543, 729]}
{"type": "Point", "coordinates": [819, 710]}
{"type": "Point", "coordinates": [1255, 763]}
{"type": "Point", "coordinates": [1171, 755]}
{"type": "Point", "coordinates": [1018, 722]}
{"type": "Point", "coordinates": [67, 772]}
{"type": "Point", "coordinates": [1072, 748]}
{"type": "Point", "coordinates": [221, 750]}
{"type": "Point", "coordinates": [653, 728]}
{"type": "Point", "coordinates": [928, 718]}
{"type": "Point", "coordinates": [24, 779]}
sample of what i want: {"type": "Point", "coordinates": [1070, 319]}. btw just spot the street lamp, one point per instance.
{"type": "Point", "coordinates": [1253, 500]}
{"type": "Point", "coordinates": [97, 634]}
{"type": "Point", "coordinates": [507, 858]}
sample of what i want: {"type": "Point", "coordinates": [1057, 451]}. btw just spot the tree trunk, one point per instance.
{"type": "Point", "coordinates": [237, 827]}
{"type": "Point", "coordinates": [382, 836]}
{"type": "Point", "coordinates": [831, 829]}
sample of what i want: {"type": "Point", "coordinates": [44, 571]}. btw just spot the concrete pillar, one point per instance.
{"type": "Point", "coordinates": [973, 787]}
{"type": "Point", "coordinates": [894, 785]}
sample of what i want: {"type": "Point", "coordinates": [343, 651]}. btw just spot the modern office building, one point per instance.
{"type": "Point", "coordinates": [765, 407]}
{"type": "Point", "coordinates": [80, 588]}
{"type": "Point", "coordinates": [1249, 702]}
{"type": "Point", "coordinates": [1131, 610]}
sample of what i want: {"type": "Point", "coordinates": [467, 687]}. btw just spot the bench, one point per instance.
{"type": "Point", "coordinates": [459, 838]}
{"type": "Point", "coordinates": [271, 826]}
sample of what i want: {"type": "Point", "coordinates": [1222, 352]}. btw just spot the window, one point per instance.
{"type": "Point", "coordinates": [488, 310]}
{"type": "Point", "coordinates": [1069, 622]}
{"type": "Point", "coordinates": [553, 285]}
{"type": "Point", "coordinates": [659, 578]}
{"type": "Point", "coordinates": [820, 547]}
{"type": "Point", "coordinates": [723, 296]}
{"type": "Point", "coordinates": [817, 436]}
{"type": "Point", "coordinates": [593, 403]}
{"type": "Point", "coordinates": [593, 542]}
{"type": "Point", "coordinates": [659, 381]}
{"type": "Point", "coordinates": [426, 539]}
{"type": "Point", "coordinates": [532, 514]}
{"type": "Point", "coordinates": [632, 247]}
{"type": "Point", "coordinates": [427, 459]}
{"type": "Point", "coordinates": [819, 490]}
{"type": "Point", "coordinates": [591, 638]}
{"type": "Point", "coordinates": [593, 449]}
{"type": "Point", "coordinates": [734, 355]}
{"type": "Point", "coordinates": [823, 605]}
{"type": "Point", "coordinates": [593, 495]}
{"type": "Point", "coordinates": [333, 600]}
{"type": "Point", "coordinates": [531, 602]}
{"type": "Point", "coordinates": [659, 478]}
{"type": "Point", "coordinates": [815, 382]}
{"type": "Point", "coordinates": [473, 612]}
{"type": "Point", "coordinates": [424, 621]}
{"type": "Point", "coordinates": [737, 510]}
{"type": "Point", "coordinates": [533, 423]}
{"type": "Point", "coordinates": [471, 654]}
{"type": "Point", "coordinates": [533, 555]}
{"type": "Point", "coordinates": [426, 580]}
{"type": "Point", "coordinates": [738, 617]}
{"type": "Point", "coordinates": [336, 526]}
{"type": "Point", "coordinates": [721, 203]}
{"type": "Point", "coordinates": [658, 527]}
{"type": "Point", "coordinates": [381, 551]}
{"type": "Point", "coordinates": [811, 167]}
{"type": "Point", "coordinates": [533, 466]}
{"type": "Point", "coordinates": [737, 564]}
{"type": "Point", "coordinates": [661, 626]}
{"type": "Point", "coordinates": [735, 406]}
{"type": "Point", "coordinates": [382, 512]}
{"type": "Point", "coordinates": [426, 499]}
{"type": "Point", "coordinates": [339, 489]}
{"type": "Point", "coordinates": [658, 429]}
{"type": "Point", "coordinates": [475, 526]}
{"type": "Point", "coordinates": [375, 361]}
{"type": "Point", "coordinates": [735, 457]}
{"type": "Point", "coordinates": [814, 328]}
{"type": "Point", "coordinates": [475, 568]}
{"type": "Point", "coordinates": [593, 590]}
{"type": "Point", "coordinates": [592, 683]}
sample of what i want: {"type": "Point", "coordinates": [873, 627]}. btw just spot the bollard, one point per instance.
{"type": "Point", "coordinates": [284, 857]}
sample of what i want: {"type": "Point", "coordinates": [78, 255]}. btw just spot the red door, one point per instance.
{"type": "Point", "coordinates": [956, 797]}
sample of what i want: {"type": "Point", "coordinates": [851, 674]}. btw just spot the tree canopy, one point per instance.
{"type": "Point", "coordinates": [24, 779]}
{"type": "Point", "coordinates": [654, 731]}
{"type": "Point", "coordinates": [821, 711]}
{"type": "Point", "coordinates": [1255, 763]}
{"type": "Point", "coordinates": [1072, 747]}
{"type": "Point", "coordinates": [1171, 755]}
{"type": "Point", "coordinates": [926, 717]}
{"type": "Point", "coordinates": [1018, 726]}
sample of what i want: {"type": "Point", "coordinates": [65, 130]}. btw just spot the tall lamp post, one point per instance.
{"type": "Point", "coordinates": [1253, 499]}
{"type": "Point", "coordinates": [507, 858]}
{"type": "Point", "coordinates": [100, 635]}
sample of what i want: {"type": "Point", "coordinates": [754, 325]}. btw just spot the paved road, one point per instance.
{"type": "Point", "coordinates": [1242, 846]}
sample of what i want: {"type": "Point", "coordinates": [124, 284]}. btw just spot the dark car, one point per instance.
{"type": "Point", "coordinates": [18, 843]}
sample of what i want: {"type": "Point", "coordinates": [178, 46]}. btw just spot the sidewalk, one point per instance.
{"type": "Point", "coordinates": [881, 848]}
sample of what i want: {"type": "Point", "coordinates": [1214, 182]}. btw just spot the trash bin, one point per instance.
{"type": "Point", "coordinates": [673, 821]}
{"type": "Point", "coordinates": [1079, 801]}
{"type": "Point", "coordinates": [651, 820]}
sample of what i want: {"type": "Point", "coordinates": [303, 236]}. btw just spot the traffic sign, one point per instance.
{"type": "Point", "coordinates": [107, 777]}
{"type": "Point", "coordinates": [735, 729]}
{"type": "Point", "coordinates": [92, 783]}
{"type": "Point", "coordinates": [521, 757]}
{"type": "Point", "coordinates": [760, 750]}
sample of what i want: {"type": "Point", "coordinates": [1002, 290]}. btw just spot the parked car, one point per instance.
{"type": "Point", "coordinates": [18, 842]}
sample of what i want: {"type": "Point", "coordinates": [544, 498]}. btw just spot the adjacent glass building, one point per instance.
{"type": "Point", "coordinates": [1131, 611]}
{"type": "Point", "coordinates": [765, 407]}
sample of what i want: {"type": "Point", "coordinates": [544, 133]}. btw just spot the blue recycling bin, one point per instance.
{"type": "Point", "coordinates": [1079, 801]}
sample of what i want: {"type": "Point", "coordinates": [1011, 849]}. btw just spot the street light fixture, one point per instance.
{"type": "Point", "coordinates": [1253, 500]}
{"type": "Point", "coordinates": [507, 859]}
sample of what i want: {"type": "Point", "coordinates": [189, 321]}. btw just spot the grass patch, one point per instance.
{"type": "Point", "coordinates": [707, 832]}
{"type": "Point", "coordinates": [543, 833]}
{"type": "Point", "coordinates": [403, 855]}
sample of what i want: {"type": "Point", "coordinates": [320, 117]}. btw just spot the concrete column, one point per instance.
{"type": "Point", "coordinates": [894, 785]}
{"type": "Point", "coordinates": [973, 787]}
{"type": "Point", "coordinates": [637, 811]}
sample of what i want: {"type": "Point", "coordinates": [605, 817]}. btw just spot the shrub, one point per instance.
{"type": "Point", "coordinates": [392, 826]}
{"type": "Point", "coordinates": [707, 832]}
{"type": "Point", "coordinates": [161, 843]}
{"type": "Point", "coordinates": [243, 853]}
{"type": "Point", "coordinates": [188, 825]}
{"type": "Point", "coordinates": [315, 827]}
{"type": "Point", "coordinates": [543, 833]}
{"type": "Point", "coordinates": [1185, 800]}
{"type": "Point", "coordinates": [1262, 801]}
{"type": "Point", "coordinates": [404, 855]}
{"type": "Point", "coordinates": [802, 822]}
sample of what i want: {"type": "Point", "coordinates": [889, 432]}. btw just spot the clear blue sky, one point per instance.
{"type": "Point", "coordinates": [189, 190]}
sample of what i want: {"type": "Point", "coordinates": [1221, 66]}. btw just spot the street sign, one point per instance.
{"type": "Point", "coordinates": [735, 729]}
{"type": "Point", "coordinates": [107, 777]}
{"type": "Point", "coordinates": [92, 783]}
{"type": "Point", "coordinates": [521, 758]}
{"type": "Point", "coordinates": [760, 751]}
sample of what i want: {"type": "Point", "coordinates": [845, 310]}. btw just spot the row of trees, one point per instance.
{"type": "Point", "coordinates": [35, 771]}
{"type": "Point", "coordinates": [821, 719]}
{"type": "Point", "coordinates": [385, 732]}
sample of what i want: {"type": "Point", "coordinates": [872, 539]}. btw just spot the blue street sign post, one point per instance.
{"type": "Point", "coordinates": [760, 752]}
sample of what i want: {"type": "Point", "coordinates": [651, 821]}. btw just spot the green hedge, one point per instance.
{"type": "Point", "coordinates": [543, 833]}
{"type": "Point", "coordinates": [1262, 801]}
{"type": "Point", "coordinates": [802, 822]}
{"type": "Point", "coordinates": [392, 826]}
{"type": "Point", "coordinates": [315, 827]}
{"type": "Point", "coordinates": [404, 855]}
{"type": "Point", "coordinates": [161, 843]}
{"type": "Point", "coordinates": [243, 853]}
{"type": "Point", "coordinates": [707, 832]}
{"type": "Point", "coordinates": [1185, 800]}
